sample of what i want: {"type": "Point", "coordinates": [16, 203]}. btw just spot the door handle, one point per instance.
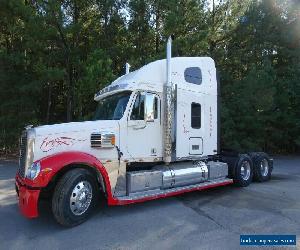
{"type": "Point", "coordinates": [137, 124]}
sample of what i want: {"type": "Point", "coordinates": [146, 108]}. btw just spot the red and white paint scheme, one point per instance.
{"type": "Point", "coordinates": [154, 135]}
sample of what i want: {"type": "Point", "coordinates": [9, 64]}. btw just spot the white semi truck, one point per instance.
{"type": "Point", "coordinates": [155, 134]}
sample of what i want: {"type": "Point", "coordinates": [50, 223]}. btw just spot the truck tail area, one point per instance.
{"type": "Point", "coordinates": [168, 180]}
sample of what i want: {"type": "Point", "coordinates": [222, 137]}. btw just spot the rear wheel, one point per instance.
{"type": "Point", "coordinates": [243, 172]}
{"type": "Point", "coordinates": [262, 167]}
{"type": "Point", "coordinates": [74, 197]}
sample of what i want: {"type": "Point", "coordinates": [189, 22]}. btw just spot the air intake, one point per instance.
{"type": "Point", "coordinates": [103, 140]}
{"type": "Point", "coordinates": [96, 140]}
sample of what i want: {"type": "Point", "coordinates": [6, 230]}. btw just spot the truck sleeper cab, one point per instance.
{"type": "Point", "coordinates": [155, 134]}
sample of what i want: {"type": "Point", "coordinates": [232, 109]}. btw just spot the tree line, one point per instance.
{"type": "Point", "coordinates": [54, 55]}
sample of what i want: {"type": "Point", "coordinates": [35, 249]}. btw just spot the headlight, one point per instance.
{"type": "Point", "coordinates": [30, 149]}
{"type": "Point", "coordinates": [33, 170]}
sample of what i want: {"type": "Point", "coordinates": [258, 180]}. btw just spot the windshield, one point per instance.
{"type": "Point", "coordinates": [112, 107]}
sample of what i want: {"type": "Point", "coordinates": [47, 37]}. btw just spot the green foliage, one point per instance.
{"type": "Point", "coordinates": [247, 124]}
{"type": "Point", "coordinates": [54, 56]}
{"type": "Point", "coordinates": [97, 73]}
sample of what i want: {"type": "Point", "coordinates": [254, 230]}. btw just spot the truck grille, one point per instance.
{"type": "Point", "coordinates": [23, 149]}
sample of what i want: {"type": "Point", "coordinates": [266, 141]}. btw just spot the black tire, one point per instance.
{"type": "Point", "coordinates": [252, 155]}
{"type": "Point", "coordinates": [263, 167]}
{"type": "Point", "coordinates": [61, 200]}
{"type": "Point", "coordinates": [241, 176]}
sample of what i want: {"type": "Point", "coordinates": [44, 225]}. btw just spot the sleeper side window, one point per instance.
{"type": "Point", "coordinates": [138, 108]}
{"type": "Point", "coordinates": [195, 115]}
{"type": "Point", "coordinates": [193, 75]}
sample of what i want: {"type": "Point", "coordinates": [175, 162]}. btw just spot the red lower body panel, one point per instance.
{"type": "Point", "coordinates": [28, 200]}
{"type": "Point", "coordinates": [29, 196]}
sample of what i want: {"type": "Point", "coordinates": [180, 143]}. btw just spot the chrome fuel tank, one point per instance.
{"type": "Point", "coordinates": [183, 174]}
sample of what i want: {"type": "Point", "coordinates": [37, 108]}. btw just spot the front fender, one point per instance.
{"type": "Point", "coordinates": [52, 164]}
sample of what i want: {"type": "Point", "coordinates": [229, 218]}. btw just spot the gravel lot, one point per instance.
{"type": "Point", "coordinates": [212, 219]}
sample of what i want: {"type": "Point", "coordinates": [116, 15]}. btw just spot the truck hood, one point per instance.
{"type": "Point", "coordinates": [75, 127]}
{"type": "Point", "coordinates": [73, 136]}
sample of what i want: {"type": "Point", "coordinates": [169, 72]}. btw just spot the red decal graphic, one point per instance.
{"type": "Point", "coordinates": [49, 144]}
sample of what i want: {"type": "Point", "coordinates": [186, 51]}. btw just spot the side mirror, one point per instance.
{"type": "Point", "coordinates": [149, 107]}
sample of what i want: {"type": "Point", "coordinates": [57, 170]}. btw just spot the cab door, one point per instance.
{"type": "Point", "coordinates": [144, 132]}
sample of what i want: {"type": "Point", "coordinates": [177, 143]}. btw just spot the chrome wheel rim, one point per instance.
{"type": "Point", "coordinates": [264, 167]}
{"type": "Point", "coordinates": [81, 197]}
{"type": "Point", "coordinates": [245, 170]}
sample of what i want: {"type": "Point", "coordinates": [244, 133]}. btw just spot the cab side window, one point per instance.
{"type": "Point", "coordinates": [138, 108]}
{"type": "Point", "coordinates": [155, 107]}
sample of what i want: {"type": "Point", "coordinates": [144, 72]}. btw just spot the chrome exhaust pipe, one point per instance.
{"type": "Point", "coordinates": [168, 107]}
{"type": "Point", "coordinates": [127, 68]}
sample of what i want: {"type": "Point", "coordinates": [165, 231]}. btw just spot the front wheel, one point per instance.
{"type": "Point", "coordinates": [243, 172]}
{"type": "Point", "coordinates": [74, 197]}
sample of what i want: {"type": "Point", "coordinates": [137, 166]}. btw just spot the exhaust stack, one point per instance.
{"type": "Point", "coordinates": [169, 107]}
{"type": "Point", "coordinates": [169, 55]}
{"type": "Point", "coordinates": [127, 68]}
